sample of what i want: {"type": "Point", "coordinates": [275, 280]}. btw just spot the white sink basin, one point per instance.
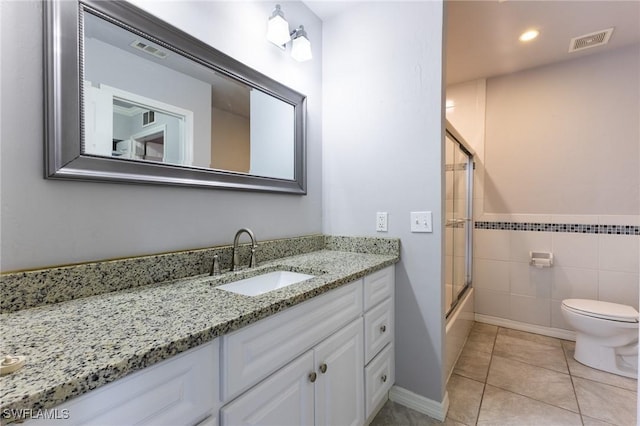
{"type": "Point", "coordinates": [264, 283]}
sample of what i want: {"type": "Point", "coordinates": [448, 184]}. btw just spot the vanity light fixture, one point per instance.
{"type": "Point", "coordinates": [300, 46]}
{"type": "Point", "coordinates": [529, 35]}
{"type": "Point", "coordinates": [278, 28]}
{"type": "Point", "coordinates": [278, 34]}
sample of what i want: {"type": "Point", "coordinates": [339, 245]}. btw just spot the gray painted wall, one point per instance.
{"type": "Point", "coordinates": [47, 222]}
{"type": "Point", "coordinates": [383, 151]}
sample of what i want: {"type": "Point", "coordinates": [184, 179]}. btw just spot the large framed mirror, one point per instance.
{"type": "Point", "coordinates": [130, 98]}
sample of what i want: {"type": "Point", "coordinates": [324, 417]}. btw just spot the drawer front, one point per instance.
{"type": "Point", "coordinates": [181, 390]}
{"type": "Point", "coordinates": [378, 329]}
{"type": "Point", "coordinates": [252, 353]}
{"type": "Point", "coordinates": [378, 286]}
{"type": "Point", "coordinates": [379, 375]}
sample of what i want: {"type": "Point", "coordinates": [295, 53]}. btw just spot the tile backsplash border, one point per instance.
{"type": "Point", "coordinates": [27, 289]}
{"type": "Point", "coordinates": [560, 227]}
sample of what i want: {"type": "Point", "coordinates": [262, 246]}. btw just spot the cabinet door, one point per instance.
{"type": "Point", "coordinates": [339, 389]}
{"type": "Point", "coordinates": [284, 398]}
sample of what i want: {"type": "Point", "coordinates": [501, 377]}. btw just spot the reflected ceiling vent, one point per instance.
{"type": "Point", "coordinates": [590, 40]}
{"type": "Point", "coordinates": [147, 48]}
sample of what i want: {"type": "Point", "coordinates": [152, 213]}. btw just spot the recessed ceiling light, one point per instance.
{"type": "Point", "coordinates": [529, 35]}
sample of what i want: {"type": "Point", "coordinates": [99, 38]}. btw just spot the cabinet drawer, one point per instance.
{"type": "Point", "coordinates": [378, 329]}
{"type": "Point", "coordinates": [178, 391]}
{"type": "Point", "coordinates": [379, 375]}
{"type": "Point", "coordinates": [378, 286]}
{"type": "Point", "coordinates": [254, 352]}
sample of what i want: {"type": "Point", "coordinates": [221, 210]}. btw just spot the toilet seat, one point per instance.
{"type": "Point", "coordinates": [603, 310]}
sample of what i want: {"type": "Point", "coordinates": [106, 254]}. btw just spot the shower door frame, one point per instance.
{"type": "Point", "coordinates": [470, 167]}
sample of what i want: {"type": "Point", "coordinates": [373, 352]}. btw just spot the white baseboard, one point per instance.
{"type": "Point", "coordinates": [523, 326]}
{"type": "Point", "coordinates": [437, 410]}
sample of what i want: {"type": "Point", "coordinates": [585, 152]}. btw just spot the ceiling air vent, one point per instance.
{"type": "Point", "coordinates": [147, 48]}
{"type": "Point", "coordinates": [590, 40]}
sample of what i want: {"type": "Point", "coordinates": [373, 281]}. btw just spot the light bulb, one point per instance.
{"type": "Point", "coordinates": [278, 28]}
{"type": "Point", "coordinates": [529, 35]}
{"type": "Point", "coordinates": [301, 46]}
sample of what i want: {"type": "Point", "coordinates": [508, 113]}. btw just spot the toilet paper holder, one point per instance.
{"type": "Point", "coordinates": [541, 259]}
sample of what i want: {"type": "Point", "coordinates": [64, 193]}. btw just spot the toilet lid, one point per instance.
{"type": "Point", "coordinates": [604, 310]}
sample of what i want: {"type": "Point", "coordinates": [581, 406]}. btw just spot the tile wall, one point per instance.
{"type": "Point", "coordinates": [591, 261]}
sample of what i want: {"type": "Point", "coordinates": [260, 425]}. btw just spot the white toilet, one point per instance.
{"type": "Point", "coordinates": [606, 335]}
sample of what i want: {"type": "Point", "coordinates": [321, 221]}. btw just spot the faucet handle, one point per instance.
{"type": "Point", "coordinates": [215, 266]}
{"type": "Point", "coordinates": [253, 262]}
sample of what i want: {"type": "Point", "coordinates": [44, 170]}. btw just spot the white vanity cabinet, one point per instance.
{"type": "Point", "coordinates": [323, 386]}
{"type": "Point", "coordinates": [328, 361]}
{"type": "Point", "coordinates": [311, 359]}
{"type": "Point", "coordinates": [179, 391]}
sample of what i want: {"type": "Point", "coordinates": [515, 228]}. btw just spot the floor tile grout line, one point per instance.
{"type": "Point", "coordinates": [596, 380]}
{"type": "Point", "coordinates": [573, 385]}
{"type": "Point", "coordinates": [486, 376]}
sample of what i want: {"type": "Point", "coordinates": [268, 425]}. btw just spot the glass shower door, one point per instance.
{"type": "Point", "coordinates": [458, 175]}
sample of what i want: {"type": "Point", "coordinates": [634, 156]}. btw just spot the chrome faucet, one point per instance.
{"type": "Point", "coordinates": [215, 266]}
{"type": "Point", "coordinates": [252, 261]}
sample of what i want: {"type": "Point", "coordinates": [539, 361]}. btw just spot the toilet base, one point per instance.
{"type": "Point", "coordinates": [622, 361]}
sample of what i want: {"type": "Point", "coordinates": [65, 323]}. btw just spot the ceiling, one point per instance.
{"type": "Point", "coordinates": [482, 35]}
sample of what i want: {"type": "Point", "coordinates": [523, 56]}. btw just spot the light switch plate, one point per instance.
{"type": "Point", "coordinates": [381, 221]}
{"type": "Point", "coordinates": [421, 222]}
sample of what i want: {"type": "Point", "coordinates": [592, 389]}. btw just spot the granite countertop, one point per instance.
{"type": "Point", "coordinates": [78, 345]}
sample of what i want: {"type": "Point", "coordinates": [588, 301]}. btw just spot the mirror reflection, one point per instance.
{"type": "Point", "coordinates": [144, 102]}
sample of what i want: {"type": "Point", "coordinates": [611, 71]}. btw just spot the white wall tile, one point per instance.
{"type": "Point", "coordinates": [448, 208]}
{"type": "Point", "coordinates": [522, 242]}
{"type": "Point", "coordinates": [489, 302]}
{"type": "Point", "coordinates": [491, 244]}
{"type": "Point", "coordinates": [496, 217]}
{"type": "Point", "coordinates": [460, 240]}
{"type": "Point", "coordinates": [575, 250]}
{"type": "Point", "coordinates": [448, 243]}
{"type": "Point", "coordinates": [619, 252]}
{"type": "Point", "coordinates": [531, 310]}
{"type": "Point", "coordinates": [575, 219]}
{"type": "Point", "coordinates": [478, 209]}
{"type": "Point", "coordinates": [574, 283]}
{"type": "Point", "coordinates": [557, 319]}
{"type": "Point", "coordinates": [491, 274]}
{"type": "Point", "coordinates": [618, 287]}
{"type": "Point", "coordinates": [620, 220]}
{"type": "Point", "coordinates": [529, 281]}
{"type": "Point", "coordinates": [534, 218]}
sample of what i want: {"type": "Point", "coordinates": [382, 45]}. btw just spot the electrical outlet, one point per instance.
{"type": "Point", "coordinates": [381, 221]}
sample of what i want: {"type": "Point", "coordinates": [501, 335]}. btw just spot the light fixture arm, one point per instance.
{"type": "Point", "coordinates": [277, 11]}
{"type": "Point", "coordinates": [298, 32]}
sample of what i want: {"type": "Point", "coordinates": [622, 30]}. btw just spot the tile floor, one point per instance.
{"type": "Point", "coordinates": [509, 377]}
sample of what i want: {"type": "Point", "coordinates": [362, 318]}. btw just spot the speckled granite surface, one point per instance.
{"type": "Point", "coordinates": [79, 345]}
{"type": "Point", "coordinates": [22, 290]}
